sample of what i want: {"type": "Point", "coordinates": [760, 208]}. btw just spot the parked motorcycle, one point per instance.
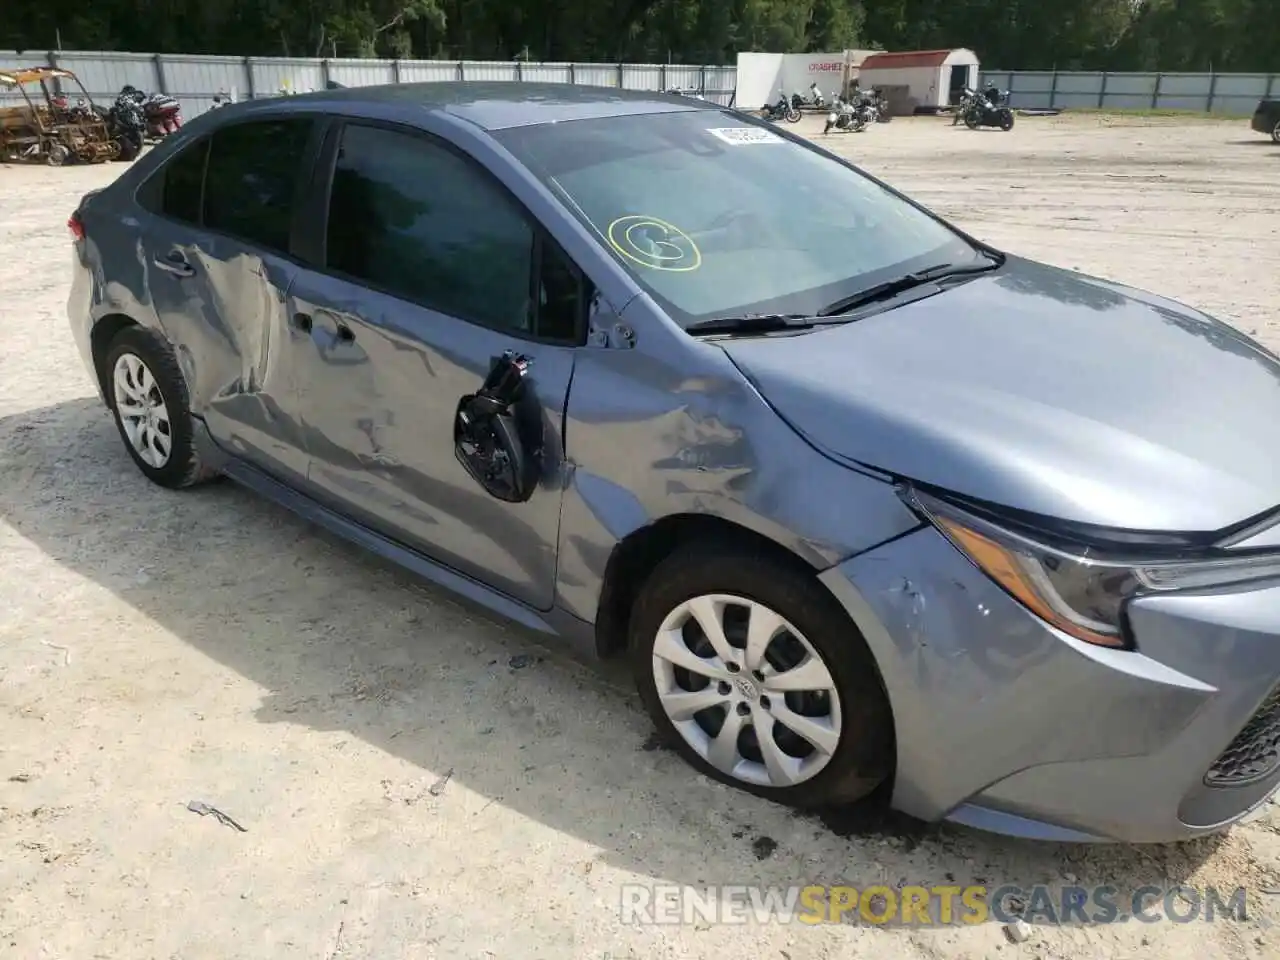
{"type": "Point", "coordinates": [163, 113]}
{"type": "Point", "coordinates": [882, 106]}
{"type": "Point", "coordinates": [221, 99]}
{"type": "Point", "coordinates": [784, 109]}
{"type": "Point", "coordinates": [813, 99]}
{"type": "Point", "coordinates": [868, 108]}
{"type": "Point", "coordinates": [845, 117]}
{"type": "Point", "coordinates": [986, 108]}
{"type": "Point", "coordinates": [127, 125]}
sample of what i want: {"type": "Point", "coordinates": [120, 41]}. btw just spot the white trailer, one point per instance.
{"type": "Point", "coordinates": [925, 80]}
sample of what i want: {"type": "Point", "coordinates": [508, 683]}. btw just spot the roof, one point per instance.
{"type": "Point", "coordinates": [498, 105]}
{"type": "Point", "coordinates": [910, 58]}
{"type": "Point", "coordinates": [32, 74]}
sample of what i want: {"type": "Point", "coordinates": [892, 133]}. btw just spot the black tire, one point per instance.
{"type": "Point", "coordinates": [864, 756]}
{"type": "Point", "coordinates": [1006, 120]}
{"type": "Point", "coordinates": [183, 467]}
{"type": "Point", "coordinates": [1275, 132]}
{"type": "Point", "coordinates": [972, 120]}
{"type": "Point", "coordinates": [57, 155]}
{"type": "Point", "coordinates": [130, 146]}
{"type": "Point", "coordinates": [793, 115]}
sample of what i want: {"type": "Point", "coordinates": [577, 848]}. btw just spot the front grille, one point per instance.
{"type": "Point", "coordinates": [1254, 753]}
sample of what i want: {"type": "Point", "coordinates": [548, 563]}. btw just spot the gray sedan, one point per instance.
{"type": "Point", "coordinates": [873, 510]}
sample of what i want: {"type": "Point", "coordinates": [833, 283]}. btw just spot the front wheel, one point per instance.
{"type": "Point", "coordinates": [1275, 132]}
{"type": "Point", "coordinates": [754, 673]}
{"type": "Point", "coordinates": [1006, 119]}
{"type": "Point", "coordinates": [57, 155]}
{"type": "Point", "coordinates": [793, 115]}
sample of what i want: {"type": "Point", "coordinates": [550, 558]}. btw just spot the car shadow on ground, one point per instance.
{"type": "Point", "coordinates": [358, 647]}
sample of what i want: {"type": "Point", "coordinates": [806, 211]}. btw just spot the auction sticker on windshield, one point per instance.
{"type": "Point", "coordinates": [743, 135]}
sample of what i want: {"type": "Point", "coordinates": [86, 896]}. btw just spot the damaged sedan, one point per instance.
{"type": "Point", "coordinates": [875, 511]}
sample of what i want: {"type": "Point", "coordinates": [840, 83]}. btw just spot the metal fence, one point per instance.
{"type": "Point", "coordinates": [1227, 94]}
{"type": "Point", "coordinates": [194, 80]}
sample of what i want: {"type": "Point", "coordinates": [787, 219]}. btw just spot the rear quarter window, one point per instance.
{"type": "Point", "coordinates": [175, 189]}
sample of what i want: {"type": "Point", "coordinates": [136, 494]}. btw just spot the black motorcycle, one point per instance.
{"type": "Point", "coordinates": [988, 108]}
{"type": "Point", "coordinates": [784, 109]}
{"type": "Point", "coordinates": [126, 124]}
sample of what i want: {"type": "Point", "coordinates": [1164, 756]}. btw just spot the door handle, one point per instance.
{"type": "Point", "coordinates": [302, 321]}
{"type": "Point", "coordinates": [176, 264]}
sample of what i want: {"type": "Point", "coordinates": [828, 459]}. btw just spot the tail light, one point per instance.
{"type": "Point", "coordinates": [76, 226]}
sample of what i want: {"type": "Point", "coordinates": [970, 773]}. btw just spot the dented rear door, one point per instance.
{"type": "Point", "coordinates": [220, 289]}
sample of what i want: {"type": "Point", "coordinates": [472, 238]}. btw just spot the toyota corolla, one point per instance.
{"type": "Point", "coordinates": [869, 505]}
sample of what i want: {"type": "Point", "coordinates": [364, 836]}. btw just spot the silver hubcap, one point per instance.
{"type": "Point", "coordinates": [746, 690]}
{"type": "Point", "coordinates": [142, 411]}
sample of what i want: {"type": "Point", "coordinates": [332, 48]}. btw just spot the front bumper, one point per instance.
{"type": "Point", "coordinates": [1007, 724]}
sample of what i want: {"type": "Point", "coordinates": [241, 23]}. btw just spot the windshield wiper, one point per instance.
{"type": "Point", "coordinates": [755, 323]}
{"type": "Point", "coordinates": [891, 288]}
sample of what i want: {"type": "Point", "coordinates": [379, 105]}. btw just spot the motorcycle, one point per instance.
{"type": "Point", "coordinates": [868, 108]}
{"type": "Point", "coordinates": [985, 109]}
{"type": "Point", "coordinates": [162, 112]}
{"type": "Point", "coordinates": [844, 116]}
{"type": "Point", "coordinates": [127, 125]}
{"type": "Point", "coordinates": [784, 109]}
{"type": "Point", "coordinates": [814, 99]}
{"type": "Point", "coordinates": [882, 106]}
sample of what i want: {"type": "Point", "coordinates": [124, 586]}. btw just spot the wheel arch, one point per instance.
{"type": "Point", "coordinates": [101, 334]}
{"type": "Point", "coordinates": [635, 556]}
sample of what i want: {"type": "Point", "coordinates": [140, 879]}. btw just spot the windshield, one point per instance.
{"type": "Point", "coordinates": [717, 217]}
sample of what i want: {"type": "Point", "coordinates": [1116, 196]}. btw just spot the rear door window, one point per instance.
{"type": "Point", "coordinates": [252, 179]}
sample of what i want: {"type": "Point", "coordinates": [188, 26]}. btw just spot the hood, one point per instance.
{"type": "Point", "coordinates": [1046, 391]}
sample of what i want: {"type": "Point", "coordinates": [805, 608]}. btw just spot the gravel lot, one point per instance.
{"type": "Point", "coordinates": [159, 648]}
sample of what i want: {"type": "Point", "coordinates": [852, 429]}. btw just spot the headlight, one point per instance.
{"type": "Point", "coordinates": [1080, 593]}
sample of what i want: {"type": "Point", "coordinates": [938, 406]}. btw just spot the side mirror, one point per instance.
{"type": "Point", "coordinates": [487, 437]}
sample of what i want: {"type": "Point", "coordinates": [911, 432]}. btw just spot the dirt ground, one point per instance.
{"type": "Point", "coordinates": [159, 648]}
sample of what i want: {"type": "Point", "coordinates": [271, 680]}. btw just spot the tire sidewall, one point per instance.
{"type": "Point", "coordinates": [130, 146]}
{"type": "Point", "coordinates": [865, 755]}
{"type": "Point", "coordinates": [1275, 132]}
{"type": "Point", "coordinates": [157, 355]}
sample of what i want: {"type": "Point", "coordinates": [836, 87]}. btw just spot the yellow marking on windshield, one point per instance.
{"type": "Point", "coordinates": [654, 243]}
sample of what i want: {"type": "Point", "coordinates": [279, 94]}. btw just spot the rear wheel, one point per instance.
{"type": "Point", "coordinates": [971, 119]}
{"type": "Point", "coordinates": [58, 155]}
{"type": "Point", "coordinates": [752, 671]}
{"type": "Point", "coordinates": [130, 145]}
{"type": "Point", "coordinates": [1275, 132]}
{"type": "Point", "coordinates": [148, 396]}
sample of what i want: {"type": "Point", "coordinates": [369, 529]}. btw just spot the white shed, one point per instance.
{"type": "Point", "coordinates": [929, 79]}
